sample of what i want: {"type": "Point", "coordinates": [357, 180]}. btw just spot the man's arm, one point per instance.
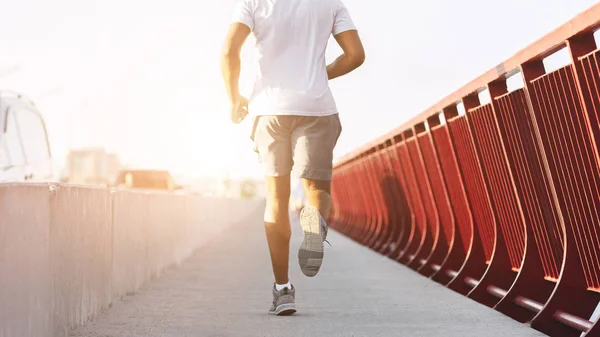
{"type": "Point", "coordinates": [353, 57]}
{"type": "Point", "coordinates": [230, 68]}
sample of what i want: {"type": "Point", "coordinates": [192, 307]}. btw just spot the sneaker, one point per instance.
{"type": "Point", "coordinates": [284, 302]}
{"type": "Point", "coordinates": [310, 254]}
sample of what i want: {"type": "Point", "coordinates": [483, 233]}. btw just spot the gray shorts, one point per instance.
{"type": "Point", "coordinates": [300, 144]}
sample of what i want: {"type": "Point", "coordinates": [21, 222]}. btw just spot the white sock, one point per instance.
{"type": "Point", "coordinates": [280, 287]}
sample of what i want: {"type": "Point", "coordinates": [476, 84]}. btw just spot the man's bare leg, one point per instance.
{"type": "Point", "coordinates": [277, 226]}
{"type": "Point", "coordinates": [318, 194]}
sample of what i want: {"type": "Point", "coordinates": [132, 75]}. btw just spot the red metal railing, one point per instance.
{"type": "Point", "coordinates": [499, 182]}
{"type": "Point", "coordinates": [466, 250]}
{"type": "Point", "coordinates": [474, 183]}
{"type": "Point", "coordinates": [500, 203]}
{"type": "Point", "coordinates": [440, 201]}
{"type": "Point", "coordinates": [421, 238]}
{"type": "Point", "coordinates": [532, 187]}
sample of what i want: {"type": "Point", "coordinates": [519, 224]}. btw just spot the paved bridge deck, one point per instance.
{"type": "Point", "coordinates": [225, 290]}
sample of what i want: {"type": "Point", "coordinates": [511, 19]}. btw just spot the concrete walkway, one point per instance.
{"type": "Point", "coordinates": [225, 290]}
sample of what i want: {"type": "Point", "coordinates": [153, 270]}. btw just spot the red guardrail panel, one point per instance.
{"type": "Point", "coordinates": [467, 250]}
{"type": "Point", "coordinates": [474, 183]}
{"type": "Point", "coordinates": [347, 202]}
{"type": "Point", "coordinates": [588, 73]}
{"type": "Point", "coordinates": [356, 204]}
{"type": "Point", "coordinates": [369, 193]}
{"type": "Point", "coordinates": [410, 231]}
{"type": "Point", "coordinates": [389, 186]}
{"type": "Point", "coordinates": [350, 204]}
{"type": "Point", "coordinates": [431, 213]}
{"type": "Point", "coordinates": [368, 199]}
{"type": "Point", "coordinates": [456, 189]}
{"type": "Point", "coordinates": [591, 88]}
{"type": "Point", "coordinates": [394, 203]}
{"type": "Point", "coordinates": [499, 182]}
{"type": "Point", "coordinates": [447, 226]}
{"type": "Point", "coordinates": [438, 186]}
{"type": "Point", "coordinates": [342, 203]}
{"type": "Point", "coordinates": [375, 239]}
{"type": "Point", "coordinates": [573, 163]}
{"type": "Point", "coordinates": [531, 180]}
{"type": "Point", "coordinates": [543, 260]}
{"type": "Point", "coordinates": [418, 219]}
{"type": "Point", "coordinates": [578, 170]}
{"type": "Point", "coordinates": [421, 240]}
{"type": "Point", "coordinates": [360, 202]}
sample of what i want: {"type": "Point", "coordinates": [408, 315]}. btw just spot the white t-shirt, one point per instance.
{"type": "Point", "coordinates": [291, 39]}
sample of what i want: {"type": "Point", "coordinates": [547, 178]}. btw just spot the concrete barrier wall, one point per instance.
{"type": "Point", "coordinates": [130, 241]}
{"type": "Point", "coordinates": [26, 286]}
{"type": "Point", "coordinates": [80, 253]}
{"type": "Point", "coordinates": [67, 252]}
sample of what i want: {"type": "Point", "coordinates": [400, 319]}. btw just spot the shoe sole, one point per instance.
{"type": "Point", "coordinates": [310, 254]}
{"type": "Point", "coordinates": [284, 310]}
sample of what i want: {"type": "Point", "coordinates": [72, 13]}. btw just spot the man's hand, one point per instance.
{"type": "Point", "coordinates": [239, 109]}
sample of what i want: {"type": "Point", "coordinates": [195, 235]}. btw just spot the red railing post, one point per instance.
{"type": "Point", "coordinates": [559, 124]}
{"type": "Point", "coordinates": [462, 220]}
{"type": "Point", "coordinates": [499, 276]}
{"type": "Point", "coordinates": [481, 245]}
{"type": "Point", "coordinates": [422, 240]}
{"type": "Point", "coordinates": [510, 113]}
{"type": "Point", "coordinates": [437, 187]}
{"type": "Point", "coordinates": [424, 189]}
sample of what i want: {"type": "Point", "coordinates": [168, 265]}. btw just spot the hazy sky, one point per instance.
{"type": "Point", "coordinates": [142, 78]}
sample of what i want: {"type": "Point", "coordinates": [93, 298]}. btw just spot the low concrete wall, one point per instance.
{"type": "Point", "coordinates": [67, 252]}
{"type": "Point", "coordinates": [80, 254]}
{"type": "Point", "coordinates": [130, 241]}
{"type": "Point", "coordinates": [26, 281]}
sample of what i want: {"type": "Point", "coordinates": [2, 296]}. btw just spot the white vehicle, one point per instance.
{"type": "Point", "coordinates": [24, 148]}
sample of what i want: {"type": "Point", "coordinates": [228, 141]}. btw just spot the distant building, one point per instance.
{"type": "Point", "coordinates": [91, 167]}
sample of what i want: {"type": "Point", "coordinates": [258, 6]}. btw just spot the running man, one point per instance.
{"type": "Point", "coordinates": [295, 119]}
